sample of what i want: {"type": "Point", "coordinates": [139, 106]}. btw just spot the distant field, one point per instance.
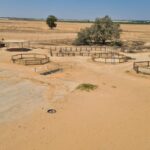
{"type": "Point", "coordinates": [38, 30]}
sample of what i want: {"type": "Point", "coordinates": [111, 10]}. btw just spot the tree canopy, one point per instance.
{"type": "Point", "coordinates": [51, 21]}
{"type": "Point", "coordinates": [103, 29]}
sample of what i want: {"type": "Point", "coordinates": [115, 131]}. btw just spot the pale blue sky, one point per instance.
{"type": "Point", "coordinates": [76, 9]}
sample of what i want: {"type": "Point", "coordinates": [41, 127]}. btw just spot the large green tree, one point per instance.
{"type": "Point", "coordinates": [51, 21]}
{"type": "Point", "coordinates": [103, 30]}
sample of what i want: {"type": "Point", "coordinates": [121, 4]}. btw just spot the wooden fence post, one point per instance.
{"type": "Point", "coordinates": [51, 53]}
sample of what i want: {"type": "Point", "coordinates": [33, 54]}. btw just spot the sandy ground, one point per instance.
{"type": "Point", "coordinates": [116, 116]}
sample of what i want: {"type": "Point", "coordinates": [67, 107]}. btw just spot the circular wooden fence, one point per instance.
{"type": "Point", "coordinates": [142, 67]}
{"type": "Point", "coordinates": [30, 59]}
{"type": "Point", "coordinates": [109, 57]}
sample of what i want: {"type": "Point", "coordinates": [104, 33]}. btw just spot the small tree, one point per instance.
{"type": "Point", "coordinates": [51, 21]}
{"type": "Point", "coordinates": [101, 31]}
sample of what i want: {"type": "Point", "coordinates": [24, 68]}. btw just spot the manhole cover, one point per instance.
{"type": "Point", "coordinates": [51, 111]}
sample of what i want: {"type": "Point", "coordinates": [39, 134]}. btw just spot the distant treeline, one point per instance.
{"type": "Point", "coordinates": [79, 21]}
{"type": "Point", "coordinates": [133, 21]}
{"type": "Point", "coordinates": [22, 19]}
{"type": "Point", "coordinates": [75, 21]}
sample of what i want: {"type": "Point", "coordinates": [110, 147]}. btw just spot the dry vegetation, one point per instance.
{"type": "Point", "coordinates": [38, 30]}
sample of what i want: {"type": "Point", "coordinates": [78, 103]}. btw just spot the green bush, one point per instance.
{"type": "Point", "coordinates": [116, 43]}
{"type": "Point", "coordinates": [87, 87]}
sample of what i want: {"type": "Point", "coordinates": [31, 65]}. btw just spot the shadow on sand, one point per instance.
{"type": "Point", "coordinates": [18, 49]}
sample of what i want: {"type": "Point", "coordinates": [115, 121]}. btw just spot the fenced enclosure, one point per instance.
{"type": "Point", "coordinates": [142, 67]}
{"type": "Point", "coordinates": [30, 59]}
{"type": "Point", "coordinates": [17, 44]}
{"type": "Point", "coordinates": [109, 57]}
{"type": "Point", "coordinates": [80, 51]}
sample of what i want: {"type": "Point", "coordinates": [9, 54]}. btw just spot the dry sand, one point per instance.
{"type": "Point", "coordinates": [115, 116]}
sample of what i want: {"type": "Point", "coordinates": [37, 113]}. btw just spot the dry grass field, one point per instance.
{"type": "Point", "coordinates": [115, 116]}
{"type": "Point", "coordinates": [38, 30]}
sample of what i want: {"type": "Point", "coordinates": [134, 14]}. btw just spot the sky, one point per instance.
{"type": "Point", "coordinates": [76, 9]}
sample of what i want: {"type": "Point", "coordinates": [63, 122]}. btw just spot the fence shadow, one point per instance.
{"type": "Point", "coordinates": [18, 49]}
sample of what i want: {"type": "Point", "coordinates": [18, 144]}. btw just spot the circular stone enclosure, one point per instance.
{"type": "Point", "coordinates": [30, 59]}
{"type": "Point", "coordinates": [109, 57]}
{"type": "Point", "coordinates": [142, 67]}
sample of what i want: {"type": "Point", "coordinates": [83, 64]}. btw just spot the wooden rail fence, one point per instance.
{"type": "Point", "coordinates": [138, 67]}
{"type": "Point", "coordinates": [30, 59]}
{"type": "Point", "coordinates": [109, 57]}
{"type": "Point", "coordinates": [78, 51]}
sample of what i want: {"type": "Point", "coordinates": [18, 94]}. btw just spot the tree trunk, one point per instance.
{"type": "Point", "coordinates": [103, 41]}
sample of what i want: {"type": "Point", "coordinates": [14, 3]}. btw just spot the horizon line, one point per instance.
{"type": "Point", "coordinates": [68, 19]}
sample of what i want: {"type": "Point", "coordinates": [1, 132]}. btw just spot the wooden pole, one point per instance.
{"type": "Point", "coordinates": [51, 53]}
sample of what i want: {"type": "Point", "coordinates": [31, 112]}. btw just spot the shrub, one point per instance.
{"type": "Point", "coordinates": [117, 43]}
{"type": "Point", "coordinates": [87, 87]}
{"type": "Point", "coordinates": [133, 46]}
